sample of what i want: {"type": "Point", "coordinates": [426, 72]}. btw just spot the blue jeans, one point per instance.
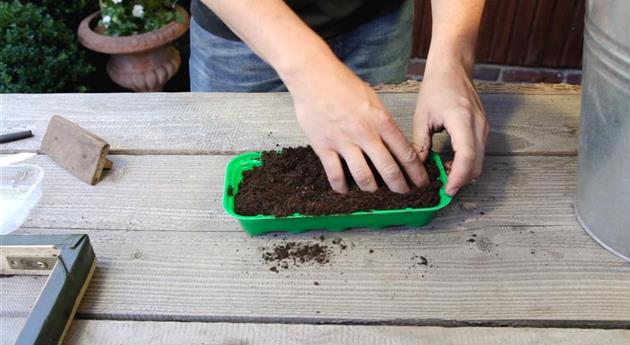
{"type": "Point", "coordinates": [378, 52]}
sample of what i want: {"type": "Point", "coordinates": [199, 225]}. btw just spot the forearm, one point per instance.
{"type": "Point", "coordinates": [454, 32]}
{"type": "Point", "coordinates": [341, 115]}
{"type": "Point", "coordinates": [275, 33]}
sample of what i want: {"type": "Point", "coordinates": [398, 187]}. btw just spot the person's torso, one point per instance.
{"type": "Point", "coordinates": [326, 17]}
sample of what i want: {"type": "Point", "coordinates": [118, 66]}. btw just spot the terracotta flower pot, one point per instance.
{"type": "Point", "coordinates": [143, 62]}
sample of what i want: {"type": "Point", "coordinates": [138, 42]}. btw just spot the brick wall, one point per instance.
{"type": "Point", "coordinates": [494, 73]}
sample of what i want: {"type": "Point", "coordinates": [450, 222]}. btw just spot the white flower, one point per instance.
{"type": "Point", "coordinates": [138, 11]}
{"type": "Point", "coordinates": [117, 1]}
{"type": "Point", "coordinates": [107, 20]}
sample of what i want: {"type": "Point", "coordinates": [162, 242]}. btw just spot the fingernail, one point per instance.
{"type": "Point", "coordinates": [452, 191]}
{"type": "Point", "coordinates": [404, 190]}
{"type": "Point", "coordinates": [422, 181]}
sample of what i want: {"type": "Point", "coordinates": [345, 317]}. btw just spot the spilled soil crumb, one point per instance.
{"type": "Point", "coordinates": [287, 255]}
{"type": "Point", "coordinates": [291, 254]}
{"type": "Point", "coordinates": [296, 254]}
{"type": "Point", "coordinates": [420, 260]}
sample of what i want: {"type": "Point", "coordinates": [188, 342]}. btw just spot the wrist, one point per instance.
{"type": "Point", "coordinates": [452, 55]}
{"type": "Point", "coordinates": [309, 58]}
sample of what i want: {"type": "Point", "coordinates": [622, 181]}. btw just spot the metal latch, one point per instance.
{"type": "Point", "coordinates": [31, 263]}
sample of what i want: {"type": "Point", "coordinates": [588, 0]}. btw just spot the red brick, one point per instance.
{"type": "Point", "coordinates": [416, 69]}
{"type": "Point", "coordinates": [486, 73]}
{"type": "Point", "coordinates": [575, 78]}
{"type": "Point", "coordinates": [531, 76]}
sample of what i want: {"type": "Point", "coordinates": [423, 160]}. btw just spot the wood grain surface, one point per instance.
{"type": "Point", "coordinates": [195, 123]}
{"type": "Point", "coordinates": [163, 333]}
{"type": "Point", "coordinates": [18, 294]}
{"type": "Point", "coordinates": [507, 252]}
{"type": "Point", "coordinates": [77, 150]}
{"type": "Point", "coordinates": [521, 275]}
{"type": "Point", "coordinates": [184, 192]}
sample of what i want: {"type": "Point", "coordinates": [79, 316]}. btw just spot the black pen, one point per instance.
{"type": "Point", "coordinates": [9, 137]}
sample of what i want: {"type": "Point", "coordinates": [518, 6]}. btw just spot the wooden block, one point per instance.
{"type": "Point", "coordinates": [79, 151]}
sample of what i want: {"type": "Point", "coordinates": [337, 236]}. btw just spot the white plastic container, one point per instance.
{"type": "Point", "coordinates": [20, 190]}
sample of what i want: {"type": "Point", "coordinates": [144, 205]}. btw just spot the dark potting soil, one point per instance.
{"type": "Point", "coordinates": [292, 254]}
{"type": "Point", "coordinates": [294, 181]}
{"type": "Point", "coordinates": [295, 254]}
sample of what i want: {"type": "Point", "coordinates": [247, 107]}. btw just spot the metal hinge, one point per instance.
{"type": "Point", "coordinates": [31, 263]}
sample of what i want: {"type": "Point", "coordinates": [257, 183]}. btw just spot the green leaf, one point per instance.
{"type": "Point", "coordinates": [38, 53]}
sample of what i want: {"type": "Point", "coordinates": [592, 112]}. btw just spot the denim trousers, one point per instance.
{"type": "Point", "coordinates": [377, 51]}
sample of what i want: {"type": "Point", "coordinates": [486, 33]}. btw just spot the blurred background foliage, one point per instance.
{"type": "Point", "coordinates": [39, 50]}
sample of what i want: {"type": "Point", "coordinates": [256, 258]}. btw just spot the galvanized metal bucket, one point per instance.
{"type": "Point", "coordinates": [603, 186]}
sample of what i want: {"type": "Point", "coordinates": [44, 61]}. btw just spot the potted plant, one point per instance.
{"type": "Point", "coordinates": [138, 34]}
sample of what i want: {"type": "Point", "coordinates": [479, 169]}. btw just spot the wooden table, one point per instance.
{"type": "Point", "coordinates": [174, 268]}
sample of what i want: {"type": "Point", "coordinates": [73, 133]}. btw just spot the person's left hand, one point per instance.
{"type": "Point", "coordinates": [448, 100]}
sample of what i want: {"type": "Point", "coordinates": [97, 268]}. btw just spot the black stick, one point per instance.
{"type": "Point", "coordinates": [9, 137]}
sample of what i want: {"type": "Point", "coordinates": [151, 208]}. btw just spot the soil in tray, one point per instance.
{"type": "Point", "coordinates": [294, 181]}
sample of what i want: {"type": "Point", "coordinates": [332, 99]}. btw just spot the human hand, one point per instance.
{"type": "Point", "coordinates": [343, 116]}
{"type": "Point", "coordinates": [448, 100]}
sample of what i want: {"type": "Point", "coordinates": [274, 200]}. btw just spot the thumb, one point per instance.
{"type": "Point", "coordinates": [422, 137]}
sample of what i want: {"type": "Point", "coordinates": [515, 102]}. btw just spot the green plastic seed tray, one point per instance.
{"type": "Point", "coordinates": [296, 223]}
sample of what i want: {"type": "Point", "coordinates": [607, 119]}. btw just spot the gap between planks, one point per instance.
{"type": "Point", "coordinates": [163, 333]}
{"type": "Point", "coordinates": [539, 324]}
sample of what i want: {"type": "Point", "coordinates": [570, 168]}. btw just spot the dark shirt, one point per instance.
{"type": "Point", "coordinates": [326, 17]}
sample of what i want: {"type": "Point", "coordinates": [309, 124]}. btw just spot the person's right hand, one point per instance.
{"type": "Point", "coordinates": [343, 116]}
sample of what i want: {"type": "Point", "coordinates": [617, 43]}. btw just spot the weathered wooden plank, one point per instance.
{"type": "Point", "coordinates": [540, 30]}
{"type": "Point", "coordinates": [77, 150]}
{"type": "Point", "coordinates": [503, 30]}
{"type": "Point", "coordinates": [196, 123]}
{"type": "Point", "coordinates": [559, 33]}
{"type": "Point", "coordinates": [572, 53]}
{"type": "Point", "coordinates": [486, 30]}
{"type": "Point", "coordinates": [520, 31]}
{"type": "Point", "coordinates": [528, 275]}
{"type": "Point", "coordinates": [88, 332]}
{"type": "Point", "coordinates": [18, 293]}
{"type": "Point", "coordinates": [185, 193]}
{"type": "Point", "coordinates": [10, 328]}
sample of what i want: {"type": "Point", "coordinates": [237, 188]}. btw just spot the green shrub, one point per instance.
{"type": "Point", "coordinates": [71, 12]}
{"type": "Point", "coordinates": [38, 53]}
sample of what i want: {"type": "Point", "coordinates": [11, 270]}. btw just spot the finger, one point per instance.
{"type": "Point", "coordinates": [404, 152]}
{"type": "Point", "coordinates": [463, 141]}
{"type": "Point", "coordinates": [386, 166]}
{"type": "Point", "coordinates": [359, 168]}
{"type": "Point", "coordinates": [481, 136]}
{"type": "Point", "coordinates": [422, 137]}
{"type": "Point", "coordinates": [334, 170]}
